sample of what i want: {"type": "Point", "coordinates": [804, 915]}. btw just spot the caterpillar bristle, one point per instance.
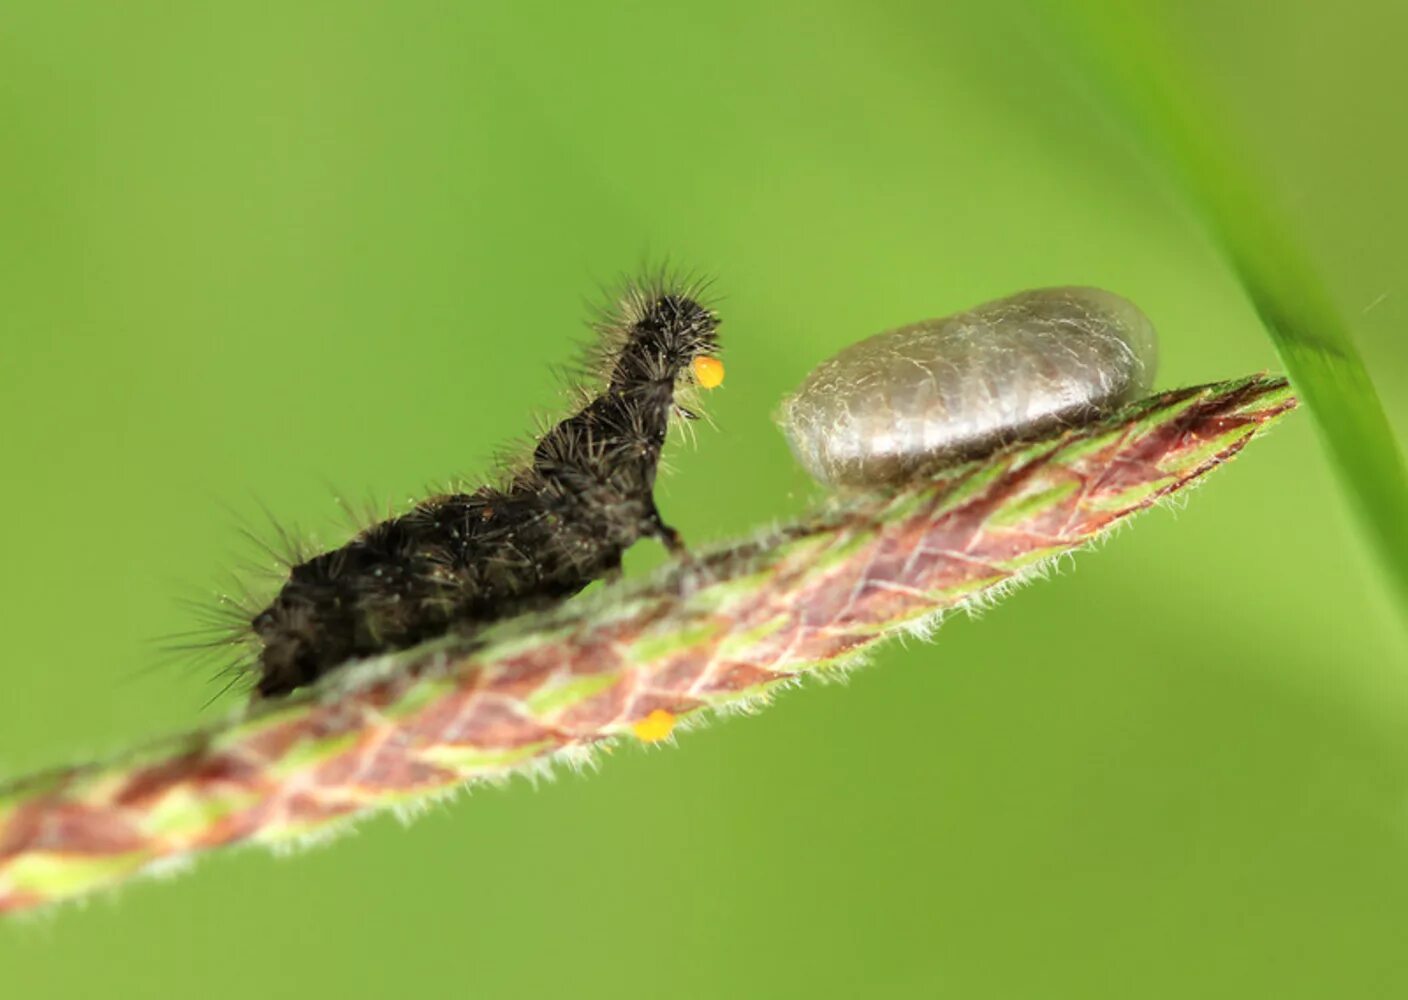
{"type": "Point", "coordinates": [220, 641]}
{"type": "Point", "coordinates": [362, 515]}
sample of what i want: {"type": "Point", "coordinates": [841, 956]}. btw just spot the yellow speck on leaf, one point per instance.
{"type": "Point", "coordinates": [655, 726]}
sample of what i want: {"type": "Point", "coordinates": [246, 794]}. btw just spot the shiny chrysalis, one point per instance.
{"type": "Point", "coordinates": [945, 390]}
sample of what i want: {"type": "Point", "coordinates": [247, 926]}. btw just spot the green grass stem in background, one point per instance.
{"type": "Point", "coordinates": [1181, 122]}
{"type": "Point", "coordinates": [721, 631]}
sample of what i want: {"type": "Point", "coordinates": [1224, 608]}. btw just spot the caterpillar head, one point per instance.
{"type": "Point", "coordinates": [668, 336]}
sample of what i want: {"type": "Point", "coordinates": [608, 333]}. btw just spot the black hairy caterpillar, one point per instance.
{"type": "Point", "coordinates": [560, 520]}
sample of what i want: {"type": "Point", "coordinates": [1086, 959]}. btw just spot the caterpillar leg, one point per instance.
{"type": "Point", "coordinates": [669, 537]}
{"type": "Point", "coordinates": [672, 540]}
{"type": "Point", "coordinates": [613, 573]}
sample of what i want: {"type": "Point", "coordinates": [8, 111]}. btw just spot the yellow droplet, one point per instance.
{"type": "Point", "coordinates": [708, 372]}
{"type": "Point", "coordinates": [655, 726]}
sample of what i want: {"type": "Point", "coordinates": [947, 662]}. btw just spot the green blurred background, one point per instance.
{"type": "Point", "coordinates": [259, 253]}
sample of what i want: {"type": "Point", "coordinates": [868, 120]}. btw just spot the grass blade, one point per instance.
{"type": "Point", "coordinates": [1128, 56]}
{"type": "Point", "coordinates": [720, 632]}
